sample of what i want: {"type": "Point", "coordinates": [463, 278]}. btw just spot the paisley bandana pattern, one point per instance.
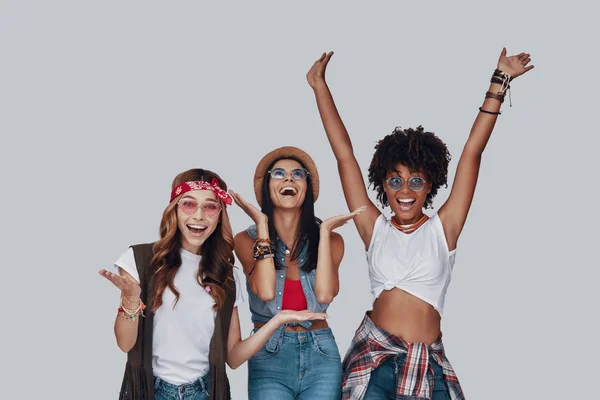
{"type": "Point", "coordinates": [202, 185]}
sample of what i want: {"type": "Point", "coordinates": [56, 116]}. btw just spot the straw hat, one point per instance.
{"type": "Point", "coordinates": [280, 153]}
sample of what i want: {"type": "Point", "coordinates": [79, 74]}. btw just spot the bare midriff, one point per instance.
{"type": "Point", "coordinates": [319, 324]}
{"type": "Point", "coordinates": [406, 316]}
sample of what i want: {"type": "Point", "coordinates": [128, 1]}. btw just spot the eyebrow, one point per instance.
{"type": "Point", "coordinates": [412, 171]}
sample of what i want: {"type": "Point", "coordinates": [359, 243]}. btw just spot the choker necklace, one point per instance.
{"type": "Point", "coordinates": [410, 228]}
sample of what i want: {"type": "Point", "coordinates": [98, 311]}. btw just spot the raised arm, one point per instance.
{"type": "Point", "coordinates": [261, 274]}
{"type": "Point", "coordinates": [454, 212]}
{"type": "Point", "coordinates": [353, 185]}
{"type": "Point", "coordinates": [331, 252]}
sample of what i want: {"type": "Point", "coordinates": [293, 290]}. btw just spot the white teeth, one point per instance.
{"type": "Point", "coordinates": [405, 200]}
{"type": "Point", "coordinates": [197, 226]}
{"type": "Point", "coordinates": [294, 191]}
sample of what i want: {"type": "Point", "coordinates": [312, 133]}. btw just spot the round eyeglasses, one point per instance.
{"type": "Point", "coordinates": [415, 183]}
{"type": "Point", "coordinates": [281, 173]}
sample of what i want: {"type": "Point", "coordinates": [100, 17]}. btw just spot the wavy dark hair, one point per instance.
{"type": "Point", "coordinates": [217, 251]}
{"type": "Point", "coordinates": [309, 224]}
{"type": "Point", "coordinates": [419, 151]}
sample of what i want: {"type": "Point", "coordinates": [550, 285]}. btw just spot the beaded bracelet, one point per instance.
{"type": "Point", "coordinates": [131, 314]}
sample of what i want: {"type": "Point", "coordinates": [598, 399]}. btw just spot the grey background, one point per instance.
{"type": "Point", "coordinates": [103, 103]}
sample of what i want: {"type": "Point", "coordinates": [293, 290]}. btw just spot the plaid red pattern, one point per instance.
{"type": "Point", "coordinates": [372, 345]}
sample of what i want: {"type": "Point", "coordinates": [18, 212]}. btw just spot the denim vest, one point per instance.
{"type": "Point", "coordinates": [263, 311]}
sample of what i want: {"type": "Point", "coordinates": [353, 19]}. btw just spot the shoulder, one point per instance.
{"type": "Point", "coordinates": [381, 223]}
{"type": "Point", "coordinates": [126, 264]}
{"type": "Point", "coordinates": [243, 239]}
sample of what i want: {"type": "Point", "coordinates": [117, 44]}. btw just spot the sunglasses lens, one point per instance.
{"type": "Point", "coordinates": [395, 183]}
{"type": "Point", "coordinates": [278, 173]}
{"type": "Point", "coordinates": [211, 208]}
{"type": "Point", "coordinates": [416, 184]}
{"type": "Point", "coordinates": [299, 174]}
{"type": "Point", "coordinates": [188, 206]}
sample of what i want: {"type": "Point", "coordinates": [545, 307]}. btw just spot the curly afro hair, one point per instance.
{"type": "Point", "coordinates": [419, 151]}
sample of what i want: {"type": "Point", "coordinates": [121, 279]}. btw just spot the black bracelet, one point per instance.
{"type": "Point", "coordinates": [500, 74]}
{"type": "Point", "coordinates": [489, 112]}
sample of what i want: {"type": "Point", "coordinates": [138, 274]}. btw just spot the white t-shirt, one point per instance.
{"type": "Point", "coordinates": [182, 334]}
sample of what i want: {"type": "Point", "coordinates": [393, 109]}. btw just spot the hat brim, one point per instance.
{"type": "Point", "coordinates": [281, 153]}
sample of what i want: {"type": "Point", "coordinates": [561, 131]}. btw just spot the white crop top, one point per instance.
{"type": "Point", "coordinates": [418, 263]}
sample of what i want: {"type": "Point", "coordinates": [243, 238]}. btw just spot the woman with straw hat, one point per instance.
{"type": "Point", "coordinates": [291, 262]}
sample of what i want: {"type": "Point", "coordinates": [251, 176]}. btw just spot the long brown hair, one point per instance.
{"type": "Point", "coordinates": [217, 251]}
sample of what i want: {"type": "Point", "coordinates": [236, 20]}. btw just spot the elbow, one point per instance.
{"type": "Point", "coordinates": [473, 151]}
{"type": "Point", "coordinates": [233, 365]}
{"type": "Point", "coordinates": [266, 295]}
{"type": "Point", "coordinates": [125, 347]}
{"type": "Point", "coordinates": [324, 297]}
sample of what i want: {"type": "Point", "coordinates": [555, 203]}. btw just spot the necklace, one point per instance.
{"type": "Point", "coordinates": [410, 228]}
{"type": "Point", "coordinates": [287, 249]}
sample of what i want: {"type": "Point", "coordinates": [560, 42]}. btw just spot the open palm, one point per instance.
{"type": "Point", "coordinates": [253, 212]}
{"type": "Point", "coordinates": [335, 222]}
{"type": "Point", "coordinates": [514, 65]}
{"type": "Point", "coordinates": [287, 316]}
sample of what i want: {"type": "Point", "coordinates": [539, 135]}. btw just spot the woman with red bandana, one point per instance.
{"type": "Point", "coordinates": [178, 318]}
{"type": "Point", "coordinates": [397, 351]}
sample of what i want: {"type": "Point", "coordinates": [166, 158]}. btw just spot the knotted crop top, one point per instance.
{"type": "Point", "coordinates": [418, 263]}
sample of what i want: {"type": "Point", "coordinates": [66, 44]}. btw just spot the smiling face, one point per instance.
{"type": "Point", "coordinates": [288, 192]}
{"type": "Point", "coordinates": [196, 227]}
{"type": "Point", "coordinates": [406, 203]}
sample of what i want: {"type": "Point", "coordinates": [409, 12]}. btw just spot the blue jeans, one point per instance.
{"type": "Point", "coordinates": [197, 390]}
{"type": "Point", "coordinates": [382, 384]}
{"type": "Point", "coordinates": [302, 365]}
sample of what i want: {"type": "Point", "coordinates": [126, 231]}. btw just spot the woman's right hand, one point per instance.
{"type": "Point", "coordinates": [287, 316]}
{"type": "Point", "coordinates": [257, 216]}
{"type": "Point", "coordinates": [130, 289]}
{"type": "Point", "coordinates": [316, 75]}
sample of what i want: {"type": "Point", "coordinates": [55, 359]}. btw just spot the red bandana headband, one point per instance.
{"type": "Point", "coordinates": [202, 185]}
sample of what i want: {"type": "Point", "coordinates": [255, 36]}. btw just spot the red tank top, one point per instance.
{"type": "Point", "coordinates": [293, 296]}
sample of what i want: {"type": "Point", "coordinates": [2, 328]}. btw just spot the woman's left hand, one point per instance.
{"type": "Point", "coordinates": [514, 65]}
{"type": "Point", "coordinates": [335, 222]}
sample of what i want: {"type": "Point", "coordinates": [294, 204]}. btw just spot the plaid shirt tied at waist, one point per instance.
{"type": "Point", "coordinates": [372, 346]}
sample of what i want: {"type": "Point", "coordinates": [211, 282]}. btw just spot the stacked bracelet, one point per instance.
{"type": "Point", "coordinates": [262, 252]}
{"type": "Point", "coordinates": [503, 79]}
{"type": "Point", "coordinates": [131, 315]}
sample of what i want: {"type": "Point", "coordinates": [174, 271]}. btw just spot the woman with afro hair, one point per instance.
{"type": "Point", "coordinates": [397, 350]}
